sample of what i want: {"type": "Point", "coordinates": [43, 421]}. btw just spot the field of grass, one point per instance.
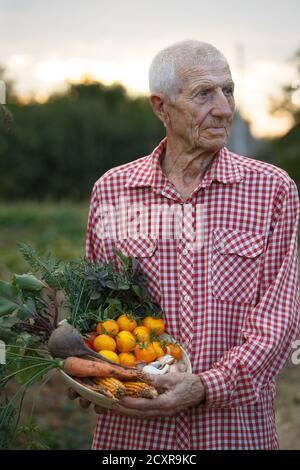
{"type": "Point", "coordinates": [60, 230]}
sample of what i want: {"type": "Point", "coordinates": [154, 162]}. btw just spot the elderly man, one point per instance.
{"type": "Point", "coordinates": [227, 281]}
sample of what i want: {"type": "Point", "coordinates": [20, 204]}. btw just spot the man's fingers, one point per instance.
{"type": "Point", "coordinates": [99, 410]}
{"type": "Point", "coordinates": [160, 382]}
{"type": "Point", "coordinates": [84, 403]}
{"type": "Point", "coordinates": [72, 394]}
{"type": "Point", "coordinates": [165, 401]}
{"type": "Point", "coordinates": [165, 381]}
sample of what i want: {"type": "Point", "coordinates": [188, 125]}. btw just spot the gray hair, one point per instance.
{"type": "Point", "coordinates": [165, 67]}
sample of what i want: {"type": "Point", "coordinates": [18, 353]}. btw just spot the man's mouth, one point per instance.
{"type": "Point", "coordinates": [216, 130]}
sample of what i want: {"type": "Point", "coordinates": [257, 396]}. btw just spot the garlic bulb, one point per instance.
{"type": "Point", "coordinates": [156, 364]}
{"type": "Point", "coordinates": [150, 369]}
{"type": "Point", "coordinates": [167, 359]}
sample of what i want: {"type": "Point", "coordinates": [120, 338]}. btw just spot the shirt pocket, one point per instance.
{"type": "Point", "coordinates": [145, 252]}
{"type": "Point", "coordinates": [235, 262]}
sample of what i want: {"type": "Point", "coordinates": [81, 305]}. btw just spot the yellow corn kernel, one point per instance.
{"type": "Point", "coordinates": [115, 386]}
{"type": "Point", "coordinates": [96, 388]}
{"type": "Point", "coordinates": [140, 390]}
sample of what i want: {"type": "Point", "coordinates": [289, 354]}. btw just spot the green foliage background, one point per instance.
{"type": "Point", "coordinates": [287, 153]}
{"type": "Point", "coordinates": [57, 150]}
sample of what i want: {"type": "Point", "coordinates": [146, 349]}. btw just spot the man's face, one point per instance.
{"type": "Point", "coordinates": [203, 110]}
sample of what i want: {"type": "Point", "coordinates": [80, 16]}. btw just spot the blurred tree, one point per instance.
{"type": "Point", "coordinates": [290, 100]}
{"type": "Point", "coordinates": [58, 149]}
{"type": "Point", "coordinates": [88, 88]}
{"type": "Point", "coordinates": [6, 117]}
{"type": "Point", "coordinates": [287, 153]}
{"type": "Point", "coordinates": [11, 95]}
{"type": "Point", "coordinates": [287, 148]}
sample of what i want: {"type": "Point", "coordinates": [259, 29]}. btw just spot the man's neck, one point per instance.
{"type": "Point", "coordinates": [185, 166]}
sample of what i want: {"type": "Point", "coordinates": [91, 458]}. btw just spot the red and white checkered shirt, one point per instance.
{"type": "Point", "coordinates": [223, 266]}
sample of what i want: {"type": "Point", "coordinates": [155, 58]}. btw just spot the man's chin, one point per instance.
{"type": "Point", "coordinates": [213, 144]}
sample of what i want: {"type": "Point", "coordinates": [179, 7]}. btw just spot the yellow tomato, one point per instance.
{"type": "Point", "coordinates": [109, 327]}
{"type": "Point", "coordinates": [155, 325]}
{"type": "Point", "coordinates": [175, 350]}
{"type": "Point", "coordinates": [125, 341]}
{"type": "Point", "coordinates": [145, 353]}
{"type": "Point", "coordinates": [104, 342]}
{"type": "Point", "coordinates": [126, 323]}
{"type": "Point", "coordinates": [110, 355]}
{"type": "Point", "coordinates": [142, 333]}
{"type": "Point", "coordinates": [127, 359]}
{"type": "Point", "coordinates": [158, 349]}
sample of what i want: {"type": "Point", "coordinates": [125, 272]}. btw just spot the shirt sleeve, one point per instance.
{"type": "Point", "coordinates": [94, 245]}
{"type": "Point", "coordinates": [242, 373]}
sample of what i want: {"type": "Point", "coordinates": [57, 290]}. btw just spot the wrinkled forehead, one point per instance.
{"type": "Point", "coordinates": [214, 72]}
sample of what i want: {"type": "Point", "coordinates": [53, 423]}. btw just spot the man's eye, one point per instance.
{"type": "Point", "coordinates": [202, 93]}
{"type": "Point", "coordinates": [228, 91]}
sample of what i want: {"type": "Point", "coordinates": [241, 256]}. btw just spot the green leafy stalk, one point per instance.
{"type": "Point", "coordinates": [36, 367]}
{"type": "Point", "coordinates": [46, 266]}
{"type": "Point", "coordinates": [14, 404]}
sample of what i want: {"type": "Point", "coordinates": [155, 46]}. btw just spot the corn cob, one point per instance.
{"type": "Point", "coordinates": [140, 390]}
{"type": "Point", "coordinates": [96, 387]}
{"type": "Point", "coordinates": [115, 386]}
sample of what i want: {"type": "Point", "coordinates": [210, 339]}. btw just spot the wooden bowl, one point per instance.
{"type": "Point", "coordinates": [95, 397]}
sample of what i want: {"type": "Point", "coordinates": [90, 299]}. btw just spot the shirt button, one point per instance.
{"type": "Point", "coordinates": [186, 298]}
{"type": "Point", "coordinates": [184, 251]}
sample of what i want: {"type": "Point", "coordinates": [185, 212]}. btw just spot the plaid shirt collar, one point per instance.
{"type": "Point", "coordinates": [224, 169]}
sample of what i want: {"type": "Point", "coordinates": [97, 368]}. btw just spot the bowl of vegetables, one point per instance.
{"type": "Point", "coordinates": [126, 351]}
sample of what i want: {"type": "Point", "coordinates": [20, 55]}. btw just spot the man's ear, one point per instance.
{"type": "Point", "coordinates": [158, 104]}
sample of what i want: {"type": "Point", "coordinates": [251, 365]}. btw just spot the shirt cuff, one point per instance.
{"type": "Point", "coordinates": [216, 389]}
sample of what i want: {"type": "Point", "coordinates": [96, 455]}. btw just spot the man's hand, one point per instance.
{"type": "Point", "coordinates": [177, 392]}
{"type": "Point", "coordinates": [83, 402]}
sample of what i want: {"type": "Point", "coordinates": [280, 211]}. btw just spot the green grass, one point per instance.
{"type": "Point", "coordinates": [58, 229]}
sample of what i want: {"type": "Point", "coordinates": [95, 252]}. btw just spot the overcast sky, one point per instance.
{"type": "Point", "coordinates": [44, 43]}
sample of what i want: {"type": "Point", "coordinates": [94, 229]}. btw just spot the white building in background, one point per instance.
{"type": "Point", "coordinates": [241, 140]}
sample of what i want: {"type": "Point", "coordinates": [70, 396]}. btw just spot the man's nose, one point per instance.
{"type": "Point", "coordinates": [221, 106]}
